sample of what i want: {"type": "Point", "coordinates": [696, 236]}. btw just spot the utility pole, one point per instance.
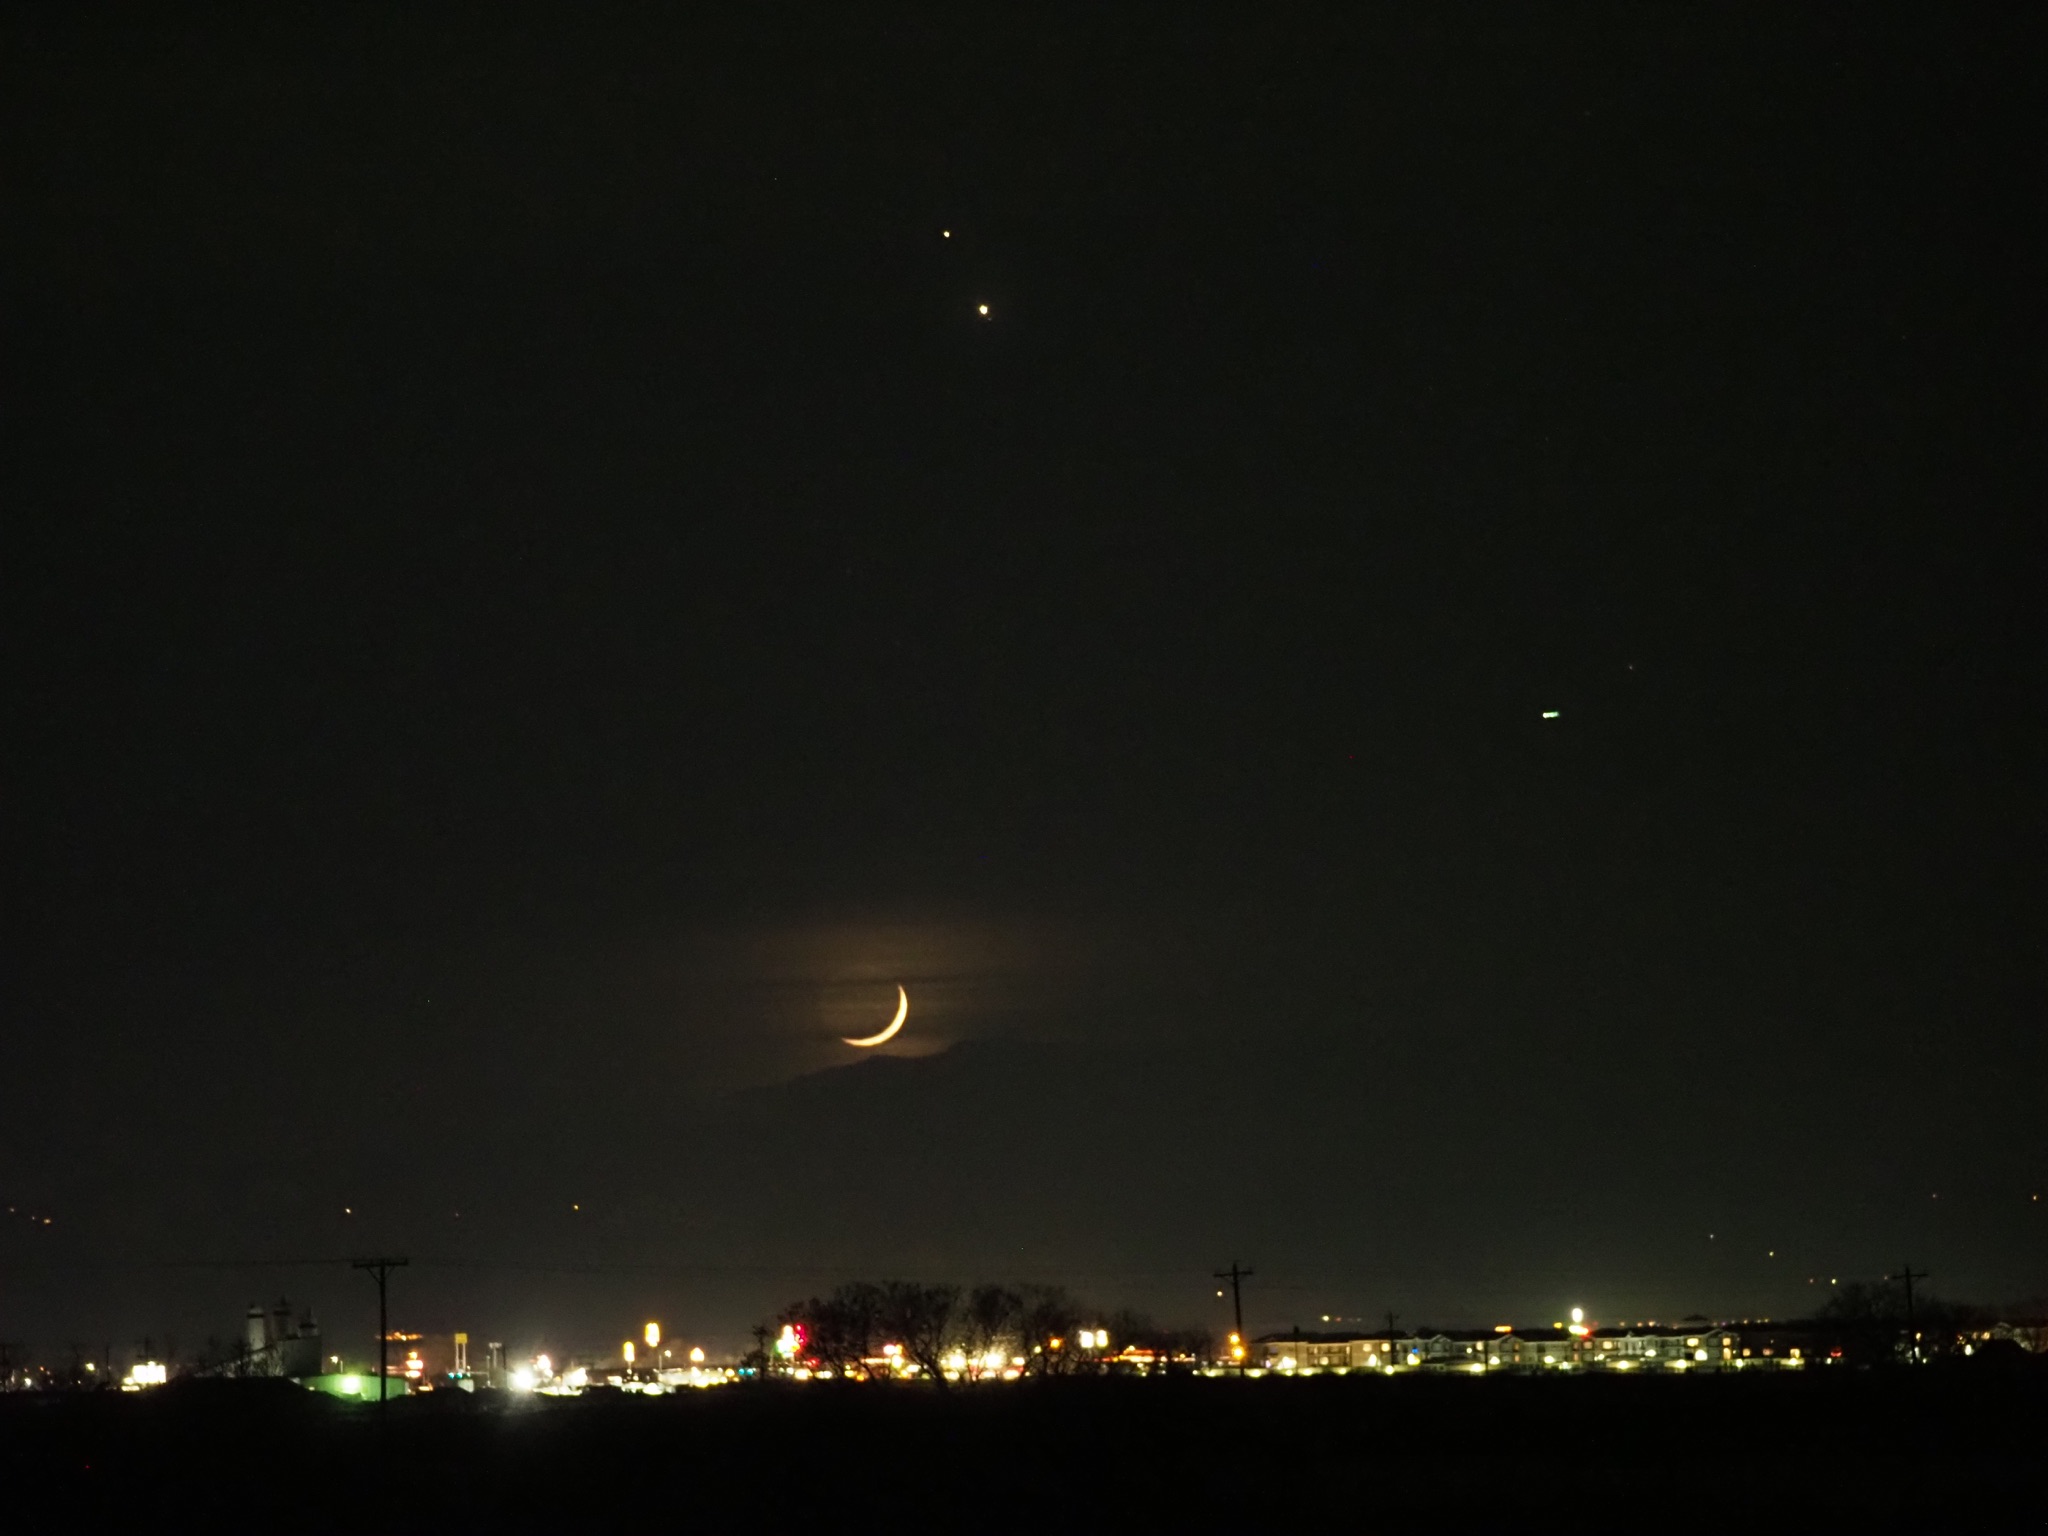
{"type": "Point", "coordinates": [380, 1271]}
{"type": "Point", "coordinates": [1912, 1329]}
{"type": "Point", "coordinates": [1391, 1315]}
{"type": "Point", "coordinates": [1237, 1277]}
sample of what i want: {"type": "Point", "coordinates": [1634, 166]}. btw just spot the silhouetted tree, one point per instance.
{"type": "Point", "coordinates": [1868, 1322]}
{"type": "Point", "coordinates": [840, 1330]}
{"type": "Point", "coordinates": [989, 1323]}
{"type": "Point", "coordinates": [920, 1318]}
{"type": "Point", "coordinates": [1864, 1320]}
{"type": "Point", "coordinates": [1046, 1328]}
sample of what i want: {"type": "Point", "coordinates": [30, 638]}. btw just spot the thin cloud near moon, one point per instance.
{"type": "Point", "coordinates": [902, 1013]}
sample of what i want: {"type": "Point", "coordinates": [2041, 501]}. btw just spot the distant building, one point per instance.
{"type": "Point", "coordinates": [2029, 1333]}
{"type": "Point", "coordinates": [1709, 1347]}
{"type": "Point", "coordinates": [277, 1343]}
{"type": "Point", "coordinates": [1298, 1351]}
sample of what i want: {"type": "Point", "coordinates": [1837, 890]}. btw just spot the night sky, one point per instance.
{"type": "Point", "coordinates": [535, 599]}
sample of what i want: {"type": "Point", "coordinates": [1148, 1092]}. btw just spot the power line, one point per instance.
{"type": "Point", "coordinates": [59, 1266]}
{"type": "Point", "coordinates": [586, 1267]}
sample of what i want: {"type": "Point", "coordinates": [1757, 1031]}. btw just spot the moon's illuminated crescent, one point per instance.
{"type": "Point", "coordinates": [902, 1013]}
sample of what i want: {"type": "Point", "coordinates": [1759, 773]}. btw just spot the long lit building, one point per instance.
{"type": "Point", "coordinates": [1575, 1346]}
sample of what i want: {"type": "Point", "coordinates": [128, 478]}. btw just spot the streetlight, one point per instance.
{"type": "Point", "coordinates": [652, 1333]}
{"type": "Point", "coordinates": [626, 1349]}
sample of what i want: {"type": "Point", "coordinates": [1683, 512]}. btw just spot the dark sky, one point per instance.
{"type": "Point", "coordinates": [535, 601]}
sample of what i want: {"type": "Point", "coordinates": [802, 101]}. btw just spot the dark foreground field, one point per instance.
{"type": "Point", "coordinates": [1926, 1451]}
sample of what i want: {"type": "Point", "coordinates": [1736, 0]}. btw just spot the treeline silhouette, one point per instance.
{"type": "Point", "coordinates": [1878, 1322]}
{"type": "Point", "coordinates": [972, 1333]}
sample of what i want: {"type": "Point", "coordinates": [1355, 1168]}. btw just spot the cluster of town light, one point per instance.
{"type": "Point", "coordinates": [955, 1365]}
{"type": "Point", "coordinates": [995, 1363]}
{"type": "Point", "coordinates": [539, 1374]}
{"type": "Point", "coordinates": [895, 1362]}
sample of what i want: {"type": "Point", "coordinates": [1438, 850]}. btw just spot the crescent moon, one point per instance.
{"type": "Point", "coordinates": [902, 1013]}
